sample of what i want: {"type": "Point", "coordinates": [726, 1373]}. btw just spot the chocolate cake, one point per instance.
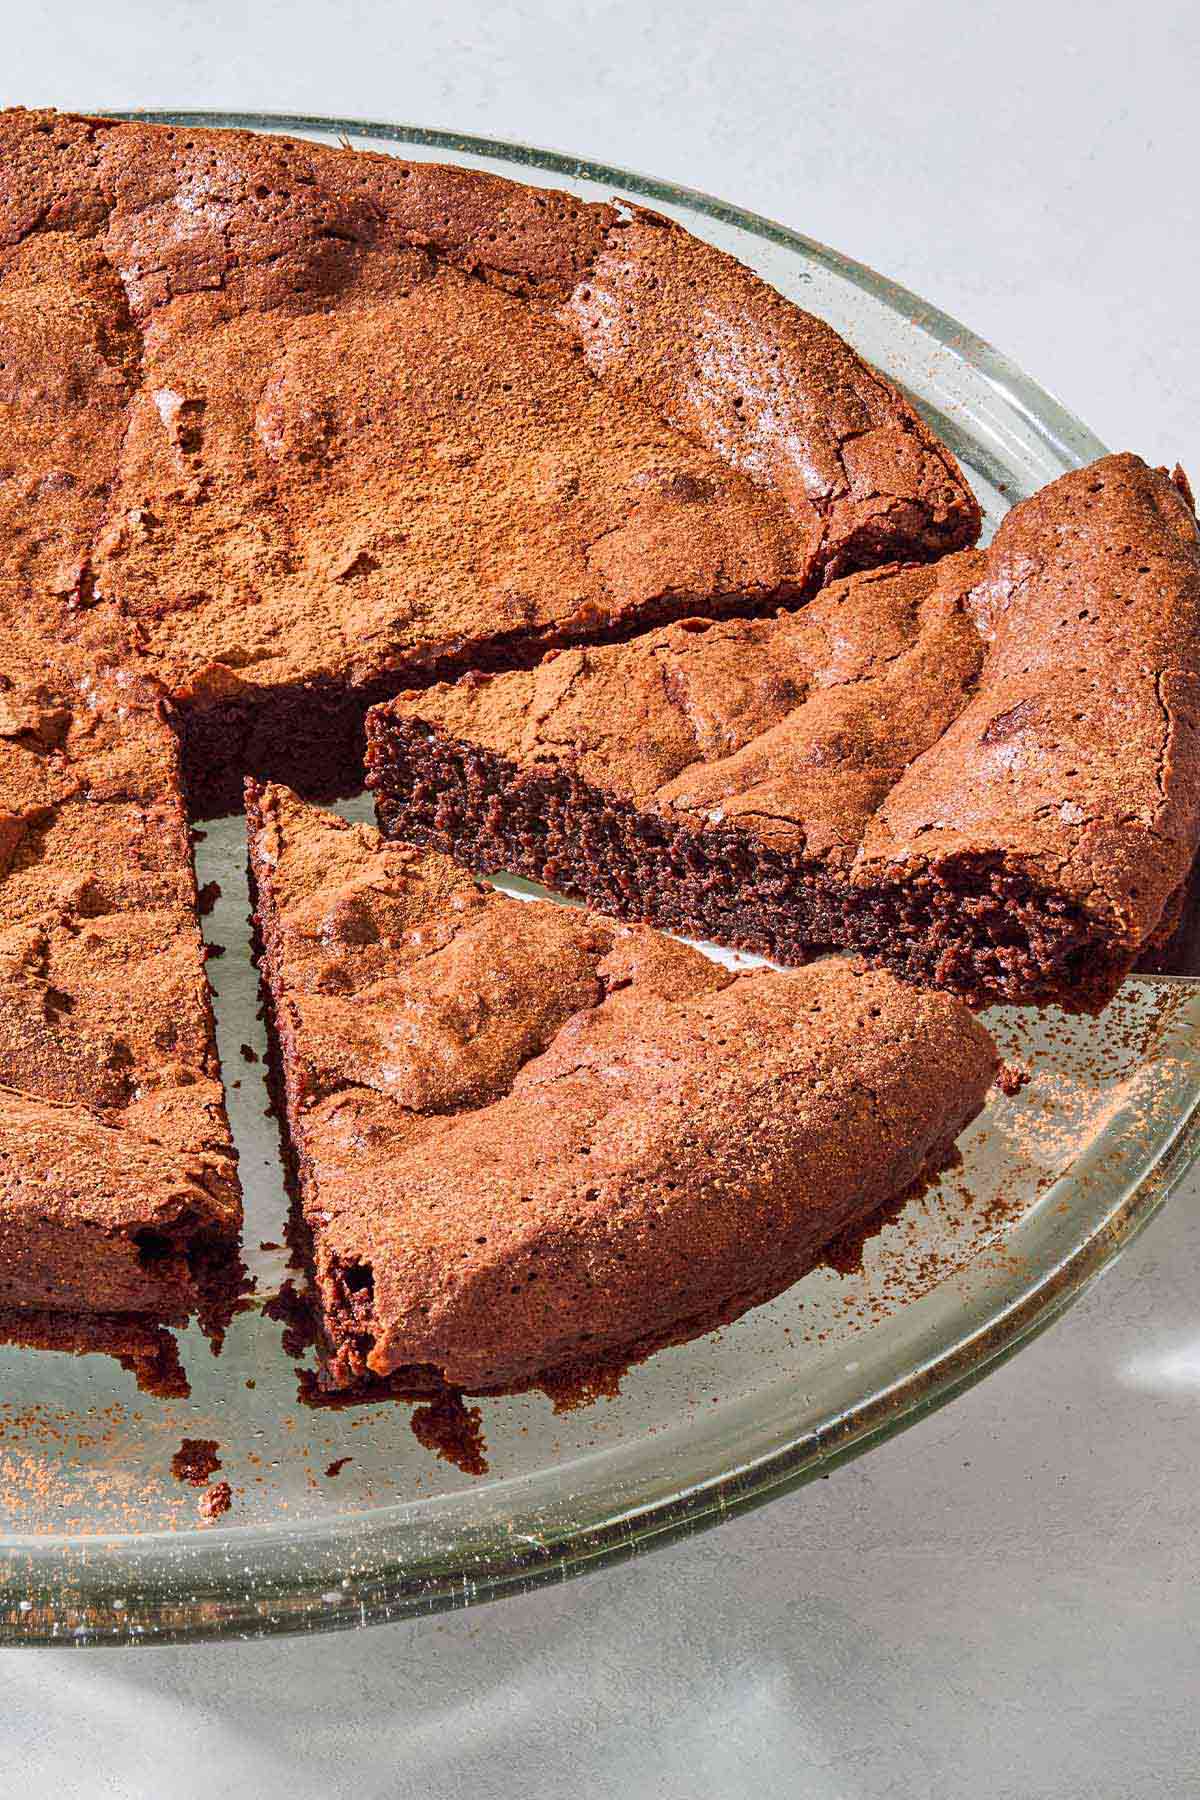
{"type": "Point", "coordinates": [316, 424]}
{"type": "Point", "coordinates": [526, 1138]}
{"type": "Point", "coordinates": [983, 774]}
{"type": "Point", "coordinates": [119, 1198]}
{"type": "Point", "coordinates": [289, 431]}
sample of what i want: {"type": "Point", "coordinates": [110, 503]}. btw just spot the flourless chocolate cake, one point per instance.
{"type": "Point", "coordinates": [119, 1200]}
{"type": "Point", "coordinates": [982, 773]}
{"type": "Point", "coordinates": [288, 431]}
{"type": "Point", "coordinates": [526, 1138]}
{"type": "Point", "coordinates": [320, 423]}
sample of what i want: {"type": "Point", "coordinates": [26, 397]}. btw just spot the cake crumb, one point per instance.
{"type": "Point", "coordinates": [196, 1461]}
{"type": "Point", "coordinates": [577, 1388]}
{"type": "Point", "coordinates": [452, 1431]}
{"type": "Point", "coordinates": [292, 1309]}
{"type": "Point", "coordinates": [207, 897]}
{"type": "Point", "coordinates": [217, 1501]}
{"type": "Point", "coordinates": [1011, 1079]}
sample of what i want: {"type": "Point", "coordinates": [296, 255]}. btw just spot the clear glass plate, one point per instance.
{"type": "Point", "coordinates": [99, 1544]}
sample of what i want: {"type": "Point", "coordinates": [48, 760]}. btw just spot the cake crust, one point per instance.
{"type": "Point", "coordinates": [775, 390]}
{"type": "Point", "coordinates": [986, 772]}
{"type": "Point", "coordinates": [527, 1139]}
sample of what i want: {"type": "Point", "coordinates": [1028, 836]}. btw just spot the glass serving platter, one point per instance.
{"type": "Point", "coordinates": [342, 1518]}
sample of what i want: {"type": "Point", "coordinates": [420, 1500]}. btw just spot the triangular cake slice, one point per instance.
{"type": "Point", "coordinates": [984, 773]}
{"type": "Point", "coordinates": [119, 1197]}
{"type": "Point", "coordinates": [526, 1138]}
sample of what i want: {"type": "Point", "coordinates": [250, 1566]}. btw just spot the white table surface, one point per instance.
{"type": "Point", "coordinates": [1002, 1602]}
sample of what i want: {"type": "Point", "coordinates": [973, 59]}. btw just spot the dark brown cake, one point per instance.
{"type": "Point", "coordinates": [526, 1138]}
{"type": "Point", "coordinates": [118, 1189]}
{"type": "Point", "coordinates": [983, 773]}
{"type": "Point", "coordinates": [318, 424]}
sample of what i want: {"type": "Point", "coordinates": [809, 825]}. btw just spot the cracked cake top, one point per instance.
{"type": "Point", "coordinates": [301, 413]}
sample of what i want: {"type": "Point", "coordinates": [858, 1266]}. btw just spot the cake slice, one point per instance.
{"type": "Point", "coordinates": [119, 1198]}
{"type": "Point", "coordinates": [526, 1139]}
{"type": "Point", "coordinates": [985, 773]}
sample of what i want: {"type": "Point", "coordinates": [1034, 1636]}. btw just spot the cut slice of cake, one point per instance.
{"type": "Point", "coordinates": [119, 1197]}
{"type": "Point", "coordinates": [526, 1139]}
{"type": "Point", "coordinates": [320, 423]}
{"type": "Point", "coordinates": [984, 773]}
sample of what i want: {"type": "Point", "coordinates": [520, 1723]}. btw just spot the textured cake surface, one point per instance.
{"type": "Point", "coordinates": [311, 420]}
{"type": "Point", "coordinates": [116, 1165]}
{"type": "Point", "coordinates": [526, 1137]}
{"type": "Point", "coordinates": [338, 495]}
{"type": "Point", "coordinates": [1031, 709]}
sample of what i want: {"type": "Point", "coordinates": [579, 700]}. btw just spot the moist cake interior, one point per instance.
{"type": "Point", "coordinates": [976, 926]}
